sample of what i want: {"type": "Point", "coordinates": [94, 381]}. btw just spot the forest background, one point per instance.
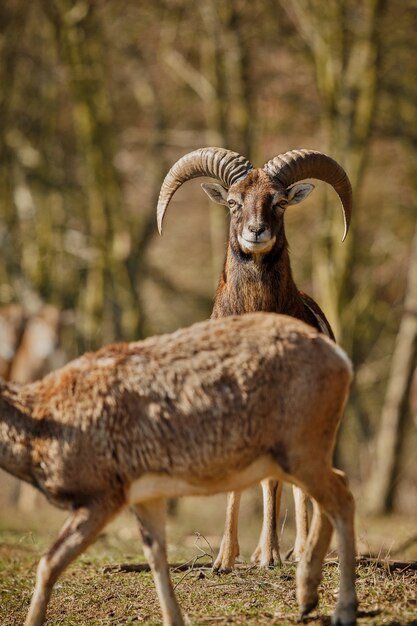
{"type": "Point", "coordinates": [99, 98]}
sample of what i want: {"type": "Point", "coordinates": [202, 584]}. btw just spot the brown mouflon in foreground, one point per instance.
{"type": "Point", "coordinates": [210, 408]}
{"type": "Point", "coordinates": [257, 277]}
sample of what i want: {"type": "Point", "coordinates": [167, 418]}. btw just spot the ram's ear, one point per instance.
{"type": "Point", "coordinates": [299, 192]}
{"type": "Point", "coordinates": [215, 192]}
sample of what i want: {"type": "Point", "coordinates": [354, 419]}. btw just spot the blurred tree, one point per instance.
{"type": "Point", "coordinates": [13, 19]}
{"type": "Point", "coordinates": [399, 118]}
{"type": "Point", "coordinates": [224, 83]}
{"type": "Point", "coordinates": [345, 40]}
{"type": "Point", "coordinates": [108, 284]}
{"type": "Point", "coordinates": [395, 411]}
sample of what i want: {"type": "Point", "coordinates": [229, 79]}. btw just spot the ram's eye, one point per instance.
{"type": "Point", "coordinates": [281, 204]}
{"type": "Point", "coordinates": [232, 203]}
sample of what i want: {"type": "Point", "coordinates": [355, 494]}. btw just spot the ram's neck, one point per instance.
{"type": "Point", "coordinates": [17, 431]}
{"type": "Point", "coordinates": [251, 283]}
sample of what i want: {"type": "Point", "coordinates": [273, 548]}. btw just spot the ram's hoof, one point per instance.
{"type": "Point", "coordinates": [345, 615]}
{"type": "Point", "coordinates": [222, 569]}
{"type": "Point", "coordinates": [269, 559]}
{"type": "Point", "coordinates": [305, 609]}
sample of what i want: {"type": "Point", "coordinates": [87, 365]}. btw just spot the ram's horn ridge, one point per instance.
{"type": "Point", "coordinates": [295, 165]}
{"type": "Point", "coordinates": [224, 165]}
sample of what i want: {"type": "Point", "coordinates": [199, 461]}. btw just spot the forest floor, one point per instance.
{"type": "Point", "coordinates": [92, 592]}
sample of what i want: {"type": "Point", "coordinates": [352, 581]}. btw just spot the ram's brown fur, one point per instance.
{"type": "Point", "coordinates": [262, 282]}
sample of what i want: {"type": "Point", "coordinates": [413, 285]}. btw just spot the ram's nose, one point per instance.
{"type": "Point", "coordinates": [257, 229]}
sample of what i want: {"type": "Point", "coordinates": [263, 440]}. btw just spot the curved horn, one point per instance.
{"type": "Point", "coordinates": [295, 165]}
{"type": "Point", "coordinates": [225, 165]}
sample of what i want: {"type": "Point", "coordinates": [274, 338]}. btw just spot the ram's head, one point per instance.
{"type": "Point", "coordinates": [256, 197]}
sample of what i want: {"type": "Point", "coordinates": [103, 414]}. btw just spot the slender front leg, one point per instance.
{"type": "Point", "coordinates": [267, 551]}
{"type": "Point", "coordinates": [79, 531]}
{"type": "Point", "coordinates": [301, 522]}
{"type": "Point", "coordinates": [229, 547]}
{"type": "Point", "coordinates": [309, 569]}
{"type": "Point", "coordinates": [151, 517]}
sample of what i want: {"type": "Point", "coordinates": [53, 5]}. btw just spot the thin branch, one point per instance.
{"type": "Point", "coordinates": [387, 564]}
{"type": "Point", "coordinates": [127, 568]}
{"type": "Point", "coordinates": [192, 77]}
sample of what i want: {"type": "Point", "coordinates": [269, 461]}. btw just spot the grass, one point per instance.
{"type": "Point", "coordinates": [85, 595]}
{"type": "Point", "coordinates": [88, 595]}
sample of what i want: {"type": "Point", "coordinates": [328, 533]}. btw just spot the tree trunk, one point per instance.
{"type": "Point", "coordinates": [381, 486]}
{"type": "Point", "coordinates": [108, 304]}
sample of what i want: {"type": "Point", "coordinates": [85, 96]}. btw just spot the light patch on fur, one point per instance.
{"type": "Point", "coordinates": [106, 361]}
{"type": "Point", "coordinates": [340, 352]}
{"type": "Point", "coordinates": [320, 321]}
{"type": "Point", "coordinates": [154, 485]}
{"type": "Point", "coordinates": [256, 247]}
{"type": "Point", "coordinates": [137, 359]}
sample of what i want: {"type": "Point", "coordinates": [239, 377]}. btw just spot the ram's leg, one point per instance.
{"type": "Point", "coordinates": [301, 522]}
{"type": "Point", "coordinates": [342, 517]}
{"type": "Point", "coordinates": [79, 531]}
{"type": "Point", "coordinates": [309, 569]}
{"type": "Point", "coordinates": [229, 547]}
{"type": "Point", "coordinates": [151, 518]}
{"type": "Point", "coordinates": [267, 551]}
{"type": "Point", "coordinates": [336, 502]}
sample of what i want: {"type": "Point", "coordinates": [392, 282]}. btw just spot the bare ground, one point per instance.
{"type": "Point", "coordinates": [92, 593]}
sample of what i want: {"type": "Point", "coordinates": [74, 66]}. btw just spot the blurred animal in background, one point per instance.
{"type": "Point", "coordinates": [257, 276]}
{"type": "Point", "coordinates": [211, 408]}
{"type": "Point", "coordinates": [29, 342]}
{"type": "Point", "coordinates": [12, 319]}
{"type": "Point", "coordinates": [29, 348]}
